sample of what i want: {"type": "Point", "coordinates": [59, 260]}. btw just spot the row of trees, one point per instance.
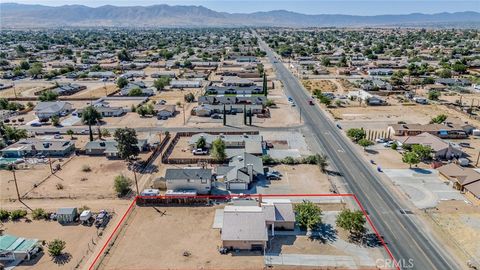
{"type": "Point", "coordinates": [309, 217]}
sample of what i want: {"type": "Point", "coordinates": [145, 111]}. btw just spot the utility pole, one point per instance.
{"type": "Point", "coordinates": [50, 163]}
{"type": "Point", "coordinates": [12, 168]}
{"type": "Point", "coordinates": [14, 91]}
{"type": "Point", "coordinates": [132, 165]}
{"type": "Point", "coordinates": [478, 158]}
{"type": "Point", "coordinates": [183, 107]}
{"type": "Point", "coordinates": [300, 109]}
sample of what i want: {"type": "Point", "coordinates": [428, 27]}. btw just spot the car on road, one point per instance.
{"type": "Point", "coordinates": [200, 151]}
{"type": "Point", "coordinates": [339, 127]}
{"type": "Point", "coordinates": [35, 124]}
{"type": "Point", "coordinates": [293, 104]}
{"type": "Point", "coordinates": [310, 101]}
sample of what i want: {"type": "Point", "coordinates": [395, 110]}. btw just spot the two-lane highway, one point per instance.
{"type": "Point", "coordinates": [410, 245]}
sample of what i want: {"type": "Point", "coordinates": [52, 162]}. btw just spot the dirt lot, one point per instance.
{"type": "Point", "coordinates": [458, 224]}
{"type": "Point", "coordinates": [25, 88]}
{"type": "Point", "coordinates": [76, 183]}
{"type": "Point", "coordinates": [322, 85]}
{"type": "Point", "coordinates": [160, 241]}
{"type": "Point", "coordinates": [299, 179]}
{"type": "Point", "coordinates": [96, 91]}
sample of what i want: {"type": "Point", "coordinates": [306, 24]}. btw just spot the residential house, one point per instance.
{"type": "Point", "coordinates": [246, 226]}
{"type": "Point", "coordinates": [68, 89]}
{"type": "Point", "coordinates": [232, 90]}
{"type": "Point", "coordinates": [249, 143]}
{"type": "Point", "coordinates": [240, 172]}
{"type": "Point", "coordinates": [185, 83]}
{"type": "Point", "coordinates": [220, 100]}
{"type": "Point", "coordinates": [48, 109]}
{"type": "Point", "coordinates": [32, 147]}
{"type": "Point", "coordinates": [441, 149]}
{"type": "Point", "coordinates": [236, 81]}
{"type": "Point", "coordinates": [146, 91]}
{"type": "Point", "coordinates": [464, 179]}
{"type": "Point", "coordinates": [199, 180]}
{"type": "Point", "coordinates": [13, 248]}
{"type": "Point", "coordinates": [453, 82]}
{"type": "Point", "coordinates": [164, 110]}
{"type": "Point", "coordinates": [109, 148]}
{"type": "Point", "coordinates": [105, 111]}
{"type": "Point", "coordinates": [169, 74]}
{"type": "Point", "coordinates": [101, 74]}
{"type": "Point", "coordinates": [380, 72]}
{"type": "Point", "coordinates": [440, 130]}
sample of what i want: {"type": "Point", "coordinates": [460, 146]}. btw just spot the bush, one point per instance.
{"type": "Point", "coordinates": [268, 160]}
{"type": "Point", "coordinates": [356, 134]}
{"type": "Point", "coordinates": [308, 215]}
{"type": "Point", "coordinates": [312, 159]}
{"type": "Point", "coordinates": [122, 184]}
{"type": "Point", "coordinates": [4, 214]}
{"type": "Point", "coordinates": [289, 161]}
{"type": "Point", "coordinates": [56, 247]}
{"type": "Point", "coordinates": [18, 214]}
{"type": "Point", "coordinates": [39, 213]}
{"type": "Point", "coordinates": [189, 98]}
{"type": "Point", "coordinates": [86, 168]}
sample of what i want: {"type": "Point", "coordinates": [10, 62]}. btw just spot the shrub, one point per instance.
{"type": "Point", "coordinates": [18, 214]}
{"type": "Point", "coordinates": [4, 214]}
{"type": "Point", "coordinates": [289, 161]}
{"type": "Point", "coordinates": [39, 213]}
{"type": "Point", "coordinates": [308, 215]}
{"type": "Point", "coordinates": [268, 160]}
{"type": "Point", "coordinates": [86, 168]}
{"type": "Point", "coordinates": [56, 247]}
{"type": "Point", "coordinates": [59, 186]}
{"type": "Point", "coordinates": [122, 184]}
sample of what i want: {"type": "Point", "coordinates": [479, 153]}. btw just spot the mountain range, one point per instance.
{"type": "Point", "coordinates": [14, 15]}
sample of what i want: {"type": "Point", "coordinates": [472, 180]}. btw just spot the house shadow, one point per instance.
{"type": "Point", "coordinates": [62, 259]}
{"type": "Point", "coordinates": [277, 242]}
{"type": "Point", "coordinates": [33, 260]}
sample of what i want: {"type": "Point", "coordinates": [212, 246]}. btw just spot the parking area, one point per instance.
{"type": "Point", "coordinates": [424, 187]}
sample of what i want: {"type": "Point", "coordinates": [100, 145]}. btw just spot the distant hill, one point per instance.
{"type": "Point", "coordinates": [26, 16]}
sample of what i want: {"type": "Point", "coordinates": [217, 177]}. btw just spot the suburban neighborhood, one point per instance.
{"type": "Point", "coordinates": [239, 146]}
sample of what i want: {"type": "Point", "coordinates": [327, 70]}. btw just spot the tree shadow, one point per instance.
{"type": "Point", "coordinates": [62, 259]}
{"type": "Point", "coordinates": [371, 240]}
{"type": "Point", "coordinates": [325, 233]}
{"type": "Point", "coordinates": [333, 173]}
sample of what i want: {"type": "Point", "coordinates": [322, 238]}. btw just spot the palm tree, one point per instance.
{"type": "Point", "coordinates": [91, 116]}
{"type": "Point", "coordinates": [322, 162]}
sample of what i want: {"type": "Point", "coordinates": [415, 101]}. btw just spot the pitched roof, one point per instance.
{"type": "Point", "coordinates": [464, 176]}
{"type": "Point", "coordinates": [244, 223]}
{"type": "Point", "coordinates": [51, 106]}
{"type": "Point", "coordinates": [181, 174]}
{"type": "Point", "coordinates": [426, 139]}
{"type": "Point", "coordinates": [278, 210]}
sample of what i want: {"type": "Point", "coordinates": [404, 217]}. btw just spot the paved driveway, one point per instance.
{"type": "Point", "coordinates": [423, 187]}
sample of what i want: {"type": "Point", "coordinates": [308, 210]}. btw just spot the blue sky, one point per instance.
{"type": "Point", "coordinates": [353, 7]}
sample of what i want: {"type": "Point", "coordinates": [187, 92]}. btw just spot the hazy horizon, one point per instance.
{"type": "Point", "coordinates": [347, 7]}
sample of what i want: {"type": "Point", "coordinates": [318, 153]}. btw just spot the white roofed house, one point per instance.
{"type": "Point", "coordinates": [185, 83]}
{"type": "Point", "coordinates": [32, 146]}
{"type": "Point", "coordinates": [198, 180]}
{"type": "Point", "coordinates": [47, 109]}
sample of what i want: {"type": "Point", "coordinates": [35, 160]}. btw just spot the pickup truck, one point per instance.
{"type": "Point", "coordinates": [199, 151]}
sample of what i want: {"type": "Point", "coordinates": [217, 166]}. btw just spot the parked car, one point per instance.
{"type": "Point", "coordinates": [200, 151]}
{"type": "Point", "coordinates": [380, 140]}
{"type": "Point", "coordinates": [58, 136]}
{"type": "Point", "coordinates": [162, 102]}
{"type": "Point", "coordinates": [272, 176]}
{"type": "Point", "coordinates": [102, 219]}
{"type": "Point", "coordinates": [464, 144]}
{"type": "Point", "coordinates": [35, 124]}
{"type": "Point", "coordinates": [216, 116]}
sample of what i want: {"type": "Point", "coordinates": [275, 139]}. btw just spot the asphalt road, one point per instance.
{"type": "Point", "coordinates": [406, 240]}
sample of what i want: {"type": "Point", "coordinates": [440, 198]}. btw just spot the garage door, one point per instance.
{"type": "Point", "coordinates": [238, 186]}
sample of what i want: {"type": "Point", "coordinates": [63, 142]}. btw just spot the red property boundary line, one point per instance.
{"type": "Point", "coordinates": [225, 197]}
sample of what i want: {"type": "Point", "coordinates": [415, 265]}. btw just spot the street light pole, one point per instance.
{"type": "Point", "coordinates": [16, 184]}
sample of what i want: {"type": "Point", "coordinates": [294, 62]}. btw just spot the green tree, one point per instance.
{"type": "Point", "coordinates": [24, 65]}
{"type": "Point", "coordinates": [135, 92]}
{"type": "Point", "coordinates": [39, 213]}
{"type": "Point", "coordinates": [70, 133]}
{"type": "Point", "coordinates": [410, 158]}
{"type": "Point", "coordinates": [123, 55]}
{"type": "Point", "coordinates": [13, 134]}
{"type": "Point", "coordinates": [122, 184]}
{"type": "Point", "coordinates": [308, 215]}
{"type": "Point", "coordinates": [433, 95]}
{"type": "Point", "coordinates": [325, 100]}
{"type": "Point", "coordinates": [122, 82]}
{"type": "Point", "coordinates": [35, 69]}
{"type": "Point", "coordinates": [4, 215]}
{"type": "Point", "coordinates": [56, 247]}
{"type": "Point", "coordinates": [322, 162]}
{"type": "Point", "coordinates": [423, 151]}
{"type": "Point", "coordinates": [439, 119]}
{"type": "Point", "coordinates": [356, 134]}
{"type": "Point", "coordinates": [48, 96]}
{"type": "Point", "coordinates": [127, 143]}
{"type": "Point", "coordinates": [91, 116]}
{"type": "Point", "coordinates": [444, 73]}
{"type": "Point", "coordinates": [365, 143]}
{"type": "Point", "coordinates": [189, 98]}
{"type": "Point", "coordinates": [55, 120]}
{"type": "Point", "coordinates": [18, 214]}
{"type": "Point", "coordinates": [270, 103]}
{"type": "Point", "coordinates": [353, 221]}
{"type": "Point", "coordinates": [201, 143]}
{"type": "Point", "coordinates": [161, 82]}
{"type": "Point", "coordinates": [218, 150]}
